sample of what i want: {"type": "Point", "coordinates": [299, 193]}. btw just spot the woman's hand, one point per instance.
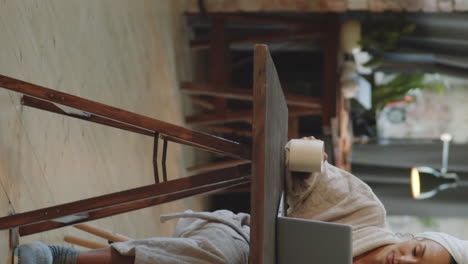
{"type": "Point", "coordinates": [325, 155]}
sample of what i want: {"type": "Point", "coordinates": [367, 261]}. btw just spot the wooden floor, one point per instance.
{"type": "Point", "coordinates": [129, 54]}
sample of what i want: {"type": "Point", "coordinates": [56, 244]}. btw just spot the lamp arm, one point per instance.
{"type": "Point", "coordinates": [445, 156]}
{"type": "Point", "coordinates": [427, 195]}
{"type": "Point", "coordinates": [447, 186]}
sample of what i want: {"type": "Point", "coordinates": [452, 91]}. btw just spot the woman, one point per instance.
{"type": "Point", "coordinates": [332, 196]}
{"type": "Point", "coordinates": [337, 196]}
{"type": "Point", "coordinates": [200, 238]}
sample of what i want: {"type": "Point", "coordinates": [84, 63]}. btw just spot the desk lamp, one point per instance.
{"type": "Point", "coordinates": [427, 182]}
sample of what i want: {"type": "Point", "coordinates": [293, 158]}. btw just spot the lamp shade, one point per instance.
{"type": "Point", "coordinates": [427, 182]}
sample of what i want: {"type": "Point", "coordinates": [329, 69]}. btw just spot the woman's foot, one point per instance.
{"type": "Point", "coordinates": [33, 253]}
{"type": "Point", "coordinates": [40, 253]}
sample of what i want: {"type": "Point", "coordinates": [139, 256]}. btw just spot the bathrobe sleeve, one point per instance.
{"type": "Point", "coordinates": [338, 196]}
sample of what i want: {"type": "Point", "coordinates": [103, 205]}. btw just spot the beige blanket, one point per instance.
{"type": "Point", "coordinates": [221, 237]}
{"type": "Point", "coordinates": [337, 196]}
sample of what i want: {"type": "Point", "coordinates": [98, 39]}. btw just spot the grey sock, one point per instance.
{"type": "Point", "coordinates": [34, 253]}
{"type": "Point", "coordinates": [63, 255]}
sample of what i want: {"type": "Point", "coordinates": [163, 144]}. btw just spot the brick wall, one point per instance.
{"type": "Point", "coordinates": [330, 5]}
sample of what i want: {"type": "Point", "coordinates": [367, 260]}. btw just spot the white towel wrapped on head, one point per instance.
{"type": "Point", "coordinates": [456, 247]}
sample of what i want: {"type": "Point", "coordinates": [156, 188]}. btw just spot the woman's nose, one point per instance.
{"type": "Point", "coordinates": [407, 260]}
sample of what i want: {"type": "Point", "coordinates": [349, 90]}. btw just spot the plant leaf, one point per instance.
{"type": "Point", "coordinates": [375, 61]}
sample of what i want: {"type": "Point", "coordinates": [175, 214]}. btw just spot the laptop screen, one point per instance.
{"type": "Point", "coordinates": [301, 241]}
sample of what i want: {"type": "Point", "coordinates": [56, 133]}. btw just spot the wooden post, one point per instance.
{"type": "Point", "coordinates": [84, 242]}
{"type": "Point", "coordinates": [220, 59]}
{"type": "Point", "coordinates": [270, 132]}
{"type": "Point", "coordinates": [330, 61]}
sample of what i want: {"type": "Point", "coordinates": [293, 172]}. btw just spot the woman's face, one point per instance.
{"type": "Point", "coordinates": [413, 251]}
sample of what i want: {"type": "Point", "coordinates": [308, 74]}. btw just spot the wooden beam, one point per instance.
{"type": "Point", "coordinates": [50, 107]}
{"type": "Point", "coordinates": [47, 106]}
{"type": "Point", "coordinates": [106, 212]}
{"type": "Point", "coordinates": [275, 36]}
{"type": "Point", "coordinates": [240, 116]}
{"type": "Point", "coordinates": [188, 186]}
{"type": "Point", "coordinates": [202, 102]}
{"type": "Point", "coordinates": [244, 188]}
{"type": "Point", "coordinates": [315, 23]}
{"type": "Point", "coordinates": [217, 166]}
{"type": "Point", "coordinates": [246, 94]}
{"type": "Point", "coordinates": [301, 111]}
{"type": "Point", "coordinates": [219, 118]}
{"type": "Point", "coordinates": [211, 90]}
{"type": "Point", "coordinates": [220, 145]}
{"type": "Point", "coordinates": [128, 207]}
{"type": "Point", "coordinates": [229, 130]}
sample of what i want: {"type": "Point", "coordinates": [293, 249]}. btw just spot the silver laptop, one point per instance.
{"type": "Point", "coordinates": [301, 241]}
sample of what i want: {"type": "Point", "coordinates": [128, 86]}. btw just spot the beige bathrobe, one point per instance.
{"type": "Point", "coordinates": [220, 237]}
{"type": "Point", "coordinates": [337, 196]}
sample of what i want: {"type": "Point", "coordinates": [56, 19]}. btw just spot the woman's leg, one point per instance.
{"type": "Point", "coordinates": [40, 253]}
{"type": "Point", "coordinates": [103, 256]}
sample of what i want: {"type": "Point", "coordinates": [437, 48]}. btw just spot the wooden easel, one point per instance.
{"type": "Point", "coordinates": [269, 138]}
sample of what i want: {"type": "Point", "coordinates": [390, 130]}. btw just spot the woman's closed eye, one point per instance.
{"type": "Point", "coordinates": [415, 250]}
{"type": "Point", "coordinates": [418, 250]}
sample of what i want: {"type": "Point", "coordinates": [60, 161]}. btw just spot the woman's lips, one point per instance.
{"type": "Point", "coordinates": [391, 258]}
